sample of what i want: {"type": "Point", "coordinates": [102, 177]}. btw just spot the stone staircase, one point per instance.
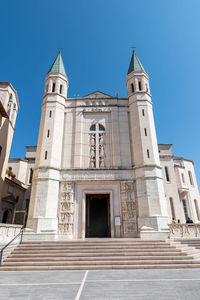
{"type": "Point", "coordinates": [101, 254]}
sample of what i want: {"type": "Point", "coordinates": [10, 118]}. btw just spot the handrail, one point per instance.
{"type": "Point", "coordinates": [2, 250]}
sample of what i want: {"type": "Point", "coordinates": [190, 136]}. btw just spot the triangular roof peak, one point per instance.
{"type": "Point", "coordinates": [135, 64]}
{"type": "Point", "coordinates": [58, 65]}
{"type": "Point", "coordinates": [97, 94]}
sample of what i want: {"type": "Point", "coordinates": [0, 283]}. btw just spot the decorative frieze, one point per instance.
{"type": "Point", "coordinates": [66, 209]}
{"type": "Point", "coordinates": [95, 109]}
{"type": "Point", "coordinates": [128, 209]}
{"type": "Point", "coordinates": [97, 175]}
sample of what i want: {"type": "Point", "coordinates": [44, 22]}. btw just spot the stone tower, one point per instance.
{"type": "Point", "coordinates": [152, 207]}
{"type": "Point", "coordinates": [45, 190]}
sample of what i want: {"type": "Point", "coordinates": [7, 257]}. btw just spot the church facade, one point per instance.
{"type": "Point", "coordinates": [99, 171]}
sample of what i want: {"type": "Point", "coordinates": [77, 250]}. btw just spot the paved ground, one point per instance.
{"type": "Point", "coordinates": [130, 284]}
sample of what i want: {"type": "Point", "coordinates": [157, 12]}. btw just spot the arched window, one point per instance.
{"type": "Point", "coordinates": [190, 177]}
{"type": "Point", "coordinates": [97, 146]}
{"type": "Point", "coordinates": [9, 104]}
{"type": "Point", "coordinates": [185, 208]}
{"type": "Point", "coordinates": [30, 175]}
{"type": "Point", "coordinates": [93, 127]}
{"type": "Point", "coordinates": [167, 174]}
{"type": "Point", "coordinates": [183, 178]}
{"type": "Point", "coordinates": [197, 209]}
{"type": "Point", "coordinates": [7, 216]}
{"type": "Point", "coordinates": [172, 207]}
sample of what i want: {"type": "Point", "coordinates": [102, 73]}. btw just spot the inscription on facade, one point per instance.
{"type": "Point", "coordinates": [128, 208]}
{"type": "Point", "coordinates": [66, 209]}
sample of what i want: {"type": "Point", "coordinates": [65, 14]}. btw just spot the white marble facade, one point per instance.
{"type": "Point", "coordinates": [101, 146]}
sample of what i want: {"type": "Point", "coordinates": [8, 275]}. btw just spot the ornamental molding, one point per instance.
{"type": "Point", "coordinates": [98, 174]}
{"type": "Point", "coordinates": [95, 109]}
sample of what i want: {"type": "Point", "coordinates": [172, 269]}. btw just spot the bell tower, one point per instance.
{"type": "Point", "coordinates": [45, 188]}
{"type": "Point", "coordinates": [151, 201]}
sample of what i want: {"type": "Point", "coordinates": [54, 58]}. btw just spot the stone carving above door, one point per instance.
{"type": "Point", "coordinates": [128, 209]}
{"type": "Point", "coordinates": [66, 209]}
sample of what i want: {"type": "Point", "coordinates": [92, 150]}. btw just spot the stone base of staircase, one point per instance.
{"type": "Point", "coordinates": [102, 254]}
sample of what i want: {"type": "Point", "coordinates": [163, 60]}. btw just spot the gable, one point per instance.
{"type": "Point", "coordinates": [97, 95]}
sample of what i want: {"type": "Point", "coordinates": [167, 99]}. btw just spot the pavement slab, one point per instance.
{"type": "Point", "coordinates": [178, 284]}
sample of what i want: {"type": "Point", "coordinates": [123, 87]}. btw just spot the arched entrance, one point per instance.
{"type": "Point", "coordinates": [7, 216]}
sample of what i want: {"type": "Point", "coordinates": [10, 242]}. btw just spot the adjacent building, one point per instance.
{"type": "Point", "coordinates": [9, 106]}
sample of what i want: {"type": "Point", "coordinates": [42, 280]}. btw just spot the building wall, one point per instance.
{"type": "Point", "coordinates": [9, 100]}
{"type": "Point", "coordinates": [80, 115]}
{"type": "Point", "coordinates": [178, 187]}
{"type": "Point", "coordinates": [12, 190]}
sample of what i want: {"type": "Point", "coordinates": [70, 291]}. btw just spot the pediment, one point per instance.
{"type": "Point", "coordinates": [97, 95]}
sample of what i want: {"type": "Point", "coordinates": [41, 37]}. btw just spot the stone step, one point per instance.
{"type": "Point", "coordinates": [100, 262]}
{"type": "Point", "coordinates": [47, 248]}
{"type": "Point", "coordinates": [94, 258]}
{"type": "Point", "coordinates": [100, 254]}
{"type": "Point", "coordinates": [55, 251]}
{"type": "Point", "coordinates": [96, 254]}
{"type": "Point", "coordinates": [97, 241]}
{"type": "Point", "coordinates": [86, 243]}
{"type": "Point", "coordinates": [99, 267]}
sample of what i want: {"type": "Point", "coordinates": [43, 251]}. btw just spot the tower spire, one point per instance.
{"type": "Point", "coordinates": [135, 64]}
{"type": "Point", "coordinates": [58, 65]}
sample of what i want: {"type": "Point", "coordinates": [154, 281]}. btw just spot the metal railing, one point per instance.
{"type": "Point", "coordinates": [9, 243]}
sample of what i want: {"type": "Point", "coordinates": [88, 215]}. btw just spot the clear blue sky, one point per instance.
{"type": "Point", "coordinates": [96, 36]}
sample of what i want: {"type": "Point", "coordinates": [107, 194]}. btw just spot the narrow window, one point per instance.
{"type": "Point", "coordinates": [167, 174]}
{"type": "Point", "coordinates": [31, 175]}
{"type": "Point", "coordinates": [143, 112]}
{"type": "Point", "coordinates": [132, 88]}
{"type": "Point", "coordinates": [50, 113]}
{"type": "Point", "coordinates": [0, 150]}
{"type": "Point", "coordinates": [185, 209]}
{"type": "Point", "coordinates": [61, 87]}
{"type": "Point", "coordinates": [53, 87]}
{"type": "Point", "coordinates": [148, 155]}
{"type": "Point", "coordinates": [48, 133]}
{"type": "Point", "coordinates": [45, 157]}
{"type": "Point", "coordinates": [27, 204]}
{"type": "Point", "coordinates": [97, 146]}
{"type": "Point", "coordinates": [145, 132]}
{"type": "Point", "coordinates": [190, 177]}
{"type": "Point", "coordinates": [17, 199]}
{"type": "Point", "coordinates": [172, 207]}
{"type": "Point", "coordinates": [139, 85]}
{"type": "Point", "coordinates": [183, 178]}
{"type": "Point", "coordinates": [47, 88]}
{"type": "Point", "coordinates": [197, 209]}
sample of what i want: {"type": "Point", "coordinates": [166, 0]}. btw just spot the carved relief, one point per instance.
{"type": "Point", "coordinates": [66, 209]}
{"type": "Point", "coordinates": [128, 208]}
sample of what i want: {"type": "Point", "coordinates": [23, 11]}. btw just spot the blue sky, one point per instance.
{"type": "Point", "coordinates": [96, 37]}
